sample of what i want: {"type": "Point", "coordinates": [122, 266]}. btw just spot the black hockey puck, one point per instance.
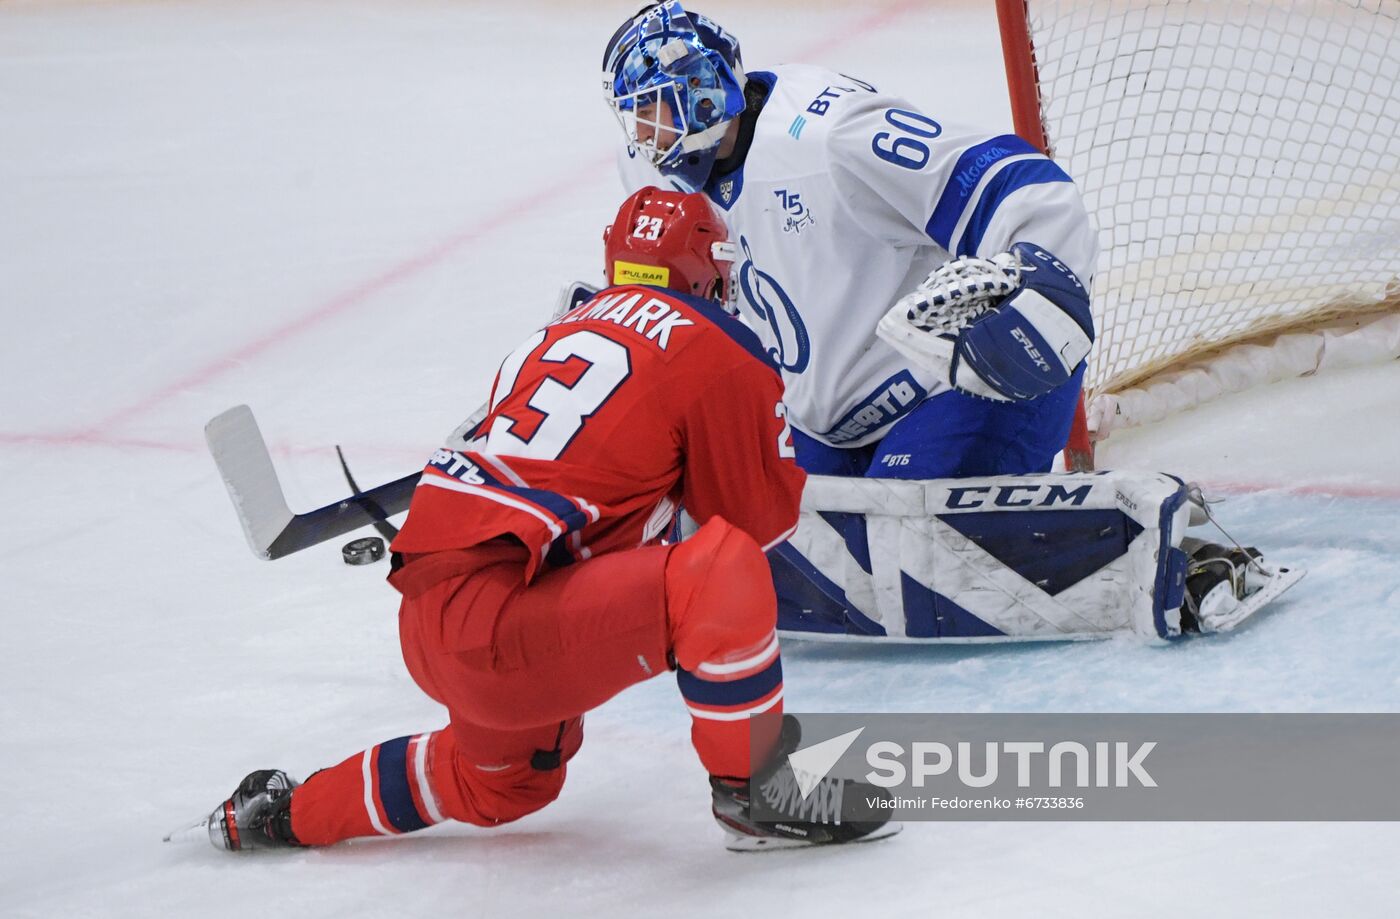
{"type": "Point", "coordinates": [363, 551]}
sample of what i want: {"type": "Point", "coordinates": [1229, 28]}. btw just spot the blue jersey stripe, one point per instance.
{"type": "Point", "coordinates": [394, 792]}
{"type": "Point", "coordinates": [567, 511]}
{"type": "Point", "coordinates": [1015, 176]}
{"type": "Point", "coordinates": [967, 172]}
{"type": "Point", "coordinates": [551, 502]}
{"type": "Point", "coordinates": [734, 692]}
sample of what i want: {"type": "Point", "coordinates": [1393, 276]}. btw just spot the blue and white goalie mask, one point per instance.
{"type": "Point", "coordinates": [675, 82]}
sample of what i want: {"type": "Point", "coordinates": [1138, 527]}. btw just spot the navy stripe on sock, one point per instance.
{"type": "Point", "coordinates": [734, 692]}
{"type": "Point", "coordinates": [394, 792]}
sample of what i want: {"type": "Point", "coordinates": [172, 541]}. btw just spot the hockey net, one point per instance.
{"type": "Point", "coordinates": [1241, 162]}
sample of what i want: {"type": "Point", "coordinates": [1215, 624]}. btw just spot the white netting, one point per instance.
{"type": "Point", "coordinates": [1241, 159]}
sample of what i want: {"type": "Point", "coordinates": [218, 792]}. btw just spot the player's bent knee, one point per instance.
{"type": "Point", "coordinates": [719, 595]}
{"type": "Point", "coordinates": [491, 797]}
{"type": "Point", "coordinates": [531, 791]}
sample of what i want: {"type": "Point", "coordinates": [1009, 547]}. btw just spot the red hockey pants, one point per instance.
{"type": "Point", "coordinates": [517, 665]}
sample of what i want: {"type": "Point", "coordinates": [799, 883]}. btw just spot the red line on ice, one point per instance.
{"type": "Point", "coordinates": [510, 213]}
{"type": "Point", "coordinates": [356, 295]}
{"type": "Point", "coordinates": [92, 439]}
{"type": "Point", "coordinates": [408, 455]}
{"type": "Point", "coordinates": [1324, 489]}
{"type": "Point", "coordinates": [97, 439]}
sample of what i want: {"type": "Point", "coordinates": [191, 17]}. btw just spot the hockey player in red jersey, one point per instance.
{"type": "Point", "coordinates": [535, 585]}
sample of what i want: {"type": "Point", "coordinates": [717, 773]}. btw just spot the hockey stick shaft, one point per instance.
{"type": "Point", "coordinates": [272, 529]}
{"type": "Point", "coordinates": [381, 518]}
{"type": "Point", "coordinates": [325, 523]}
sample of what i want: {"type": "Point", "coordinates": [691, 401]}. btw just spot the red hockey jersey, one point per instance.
{"type": "Point", "coordinates": [604, 423]}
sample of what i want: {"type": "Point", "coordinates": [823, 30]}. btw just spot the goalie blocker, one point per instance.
{"type": "Point", "coordinates": [1038, 557]}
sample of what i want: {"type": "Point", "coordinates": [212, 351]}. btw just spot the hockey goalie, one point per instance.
{"type": "Point", "coordinates": [843, 198]}
{"type": "Point", "coordinates": [1012, 557]}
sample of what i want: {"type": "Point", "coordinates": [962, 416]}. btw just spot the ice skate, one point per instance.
{"type": "Point", "coordinates": [819, 818]}
{"type": "Point", "coordinates": [1225, 585]}
{"type": "Point", "coordinates": [257, 815]}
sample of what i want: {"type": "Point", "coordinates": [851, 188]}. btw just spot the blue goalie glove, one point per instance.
{"type": "Point", "coordinates": [1009, 328]}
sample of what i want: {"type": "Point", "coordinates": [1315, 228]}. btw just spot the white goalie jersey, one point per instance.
{"type": "Point", "coordinates": [849, 197]}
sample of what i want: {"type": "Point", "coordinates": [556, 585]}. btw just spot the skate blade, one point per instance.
{"type": "Point", "coordinates": [189, 833]}
{"type": "Point", "coordinates": [736, 843]}
{"type": "Point", "coordinates": [1279, 579]}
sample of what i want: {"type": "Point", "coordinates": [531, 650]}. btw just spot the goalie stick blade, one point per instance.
{"type": "Point", "coordinates": [272, 529]}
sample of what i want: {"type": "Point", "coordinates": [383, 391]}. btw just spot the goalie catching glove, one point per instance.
{"type": "Point", "coordinates": [1009, 328]}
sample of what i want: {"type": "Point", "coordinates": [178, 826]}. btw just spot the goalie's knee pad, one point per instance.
{"type": "Point", "coordinates": [720, 604]}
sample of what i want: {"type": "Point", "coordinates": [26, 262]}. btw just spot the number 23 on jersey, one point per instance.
{"type": "Point", "coordinates": [572, 380]}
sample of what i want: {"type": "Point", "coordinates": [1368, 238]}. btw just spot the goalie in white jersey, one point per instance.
{"type": "Point", "coordinates": [853, 211]}
{"type": "Point", "coordinates": [924, 287]}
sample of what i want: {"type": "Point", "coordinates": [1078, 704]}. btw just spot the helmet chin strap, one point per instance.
{"type": "Point", "coordinates": [702, 141]}
{"type": "Point", "coordinates": [703, 147]}
{"type": "Point", "coordinates": [687, 176]}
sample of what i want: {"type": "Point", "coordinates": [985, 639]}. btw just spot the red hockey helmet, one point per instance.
{"type": "Point", "coordinates": [670, 239]}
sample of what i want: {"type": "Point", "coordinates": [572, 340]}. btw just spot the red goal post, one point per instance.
{"type": "Point", "coordinates": [1240, 160]}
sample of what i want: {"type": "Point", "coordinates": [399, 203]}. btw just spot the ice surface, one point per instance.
{"type": "Point", "coordinates": [344, 214]}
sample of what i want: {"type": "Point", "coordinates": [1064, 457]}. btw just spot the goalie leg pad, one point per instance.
{"type": "Point", "coordinates": [1005, 557]}
{"type": "Point", "coordinates": [1033, 557]}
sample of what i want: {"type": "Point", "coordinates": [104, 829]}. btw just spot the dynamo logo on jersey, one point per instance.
{"type": "Point", "coordinates": [765, 296]}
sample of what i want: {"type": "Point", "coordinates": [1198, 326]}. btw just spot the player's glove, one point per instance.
{"type": "Point", "coordinates": [1012, 327]}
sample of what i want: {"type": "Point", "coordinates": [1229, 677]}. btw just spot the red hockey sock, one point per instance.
{"type": "Point", "coordinates": [382, 791]}
{"type": "Point", "coordinates": [723, 616]}
{"type": "Point", "coordinates": [410, 783]}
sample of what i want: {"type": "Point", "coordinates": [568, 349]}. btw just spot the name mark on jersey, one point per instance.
{"type": "Point", "coordinates": [899, 394]}
{"type": "Point", "coordinates": [822, 104]}
{"type": "Point", "coordinates": [974, 496]}
{"type": "Point", "coordinates": [457, 466]}
{"type": "Point", "coordinates": [653, 319]}
{"type": "Point", "coordinates": [968, 177]}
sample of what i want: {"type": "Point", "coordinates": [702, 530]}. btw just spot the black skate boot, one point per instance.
{"type": "Point", "coordinates": [1217, 579]}
{"type": "Point", "coordinates": [257, 816]}
{"type": "Point", "coordinates": [820, 818]}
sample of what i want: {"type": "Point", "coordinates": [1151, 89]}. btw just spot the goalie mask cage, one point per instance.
{"type": "Point", "coordinates": [1240, 160]}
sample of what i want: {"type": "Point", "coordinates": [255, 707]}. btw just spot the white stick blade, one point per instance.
{"type": "Point", "coordinates": [241, 454]}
